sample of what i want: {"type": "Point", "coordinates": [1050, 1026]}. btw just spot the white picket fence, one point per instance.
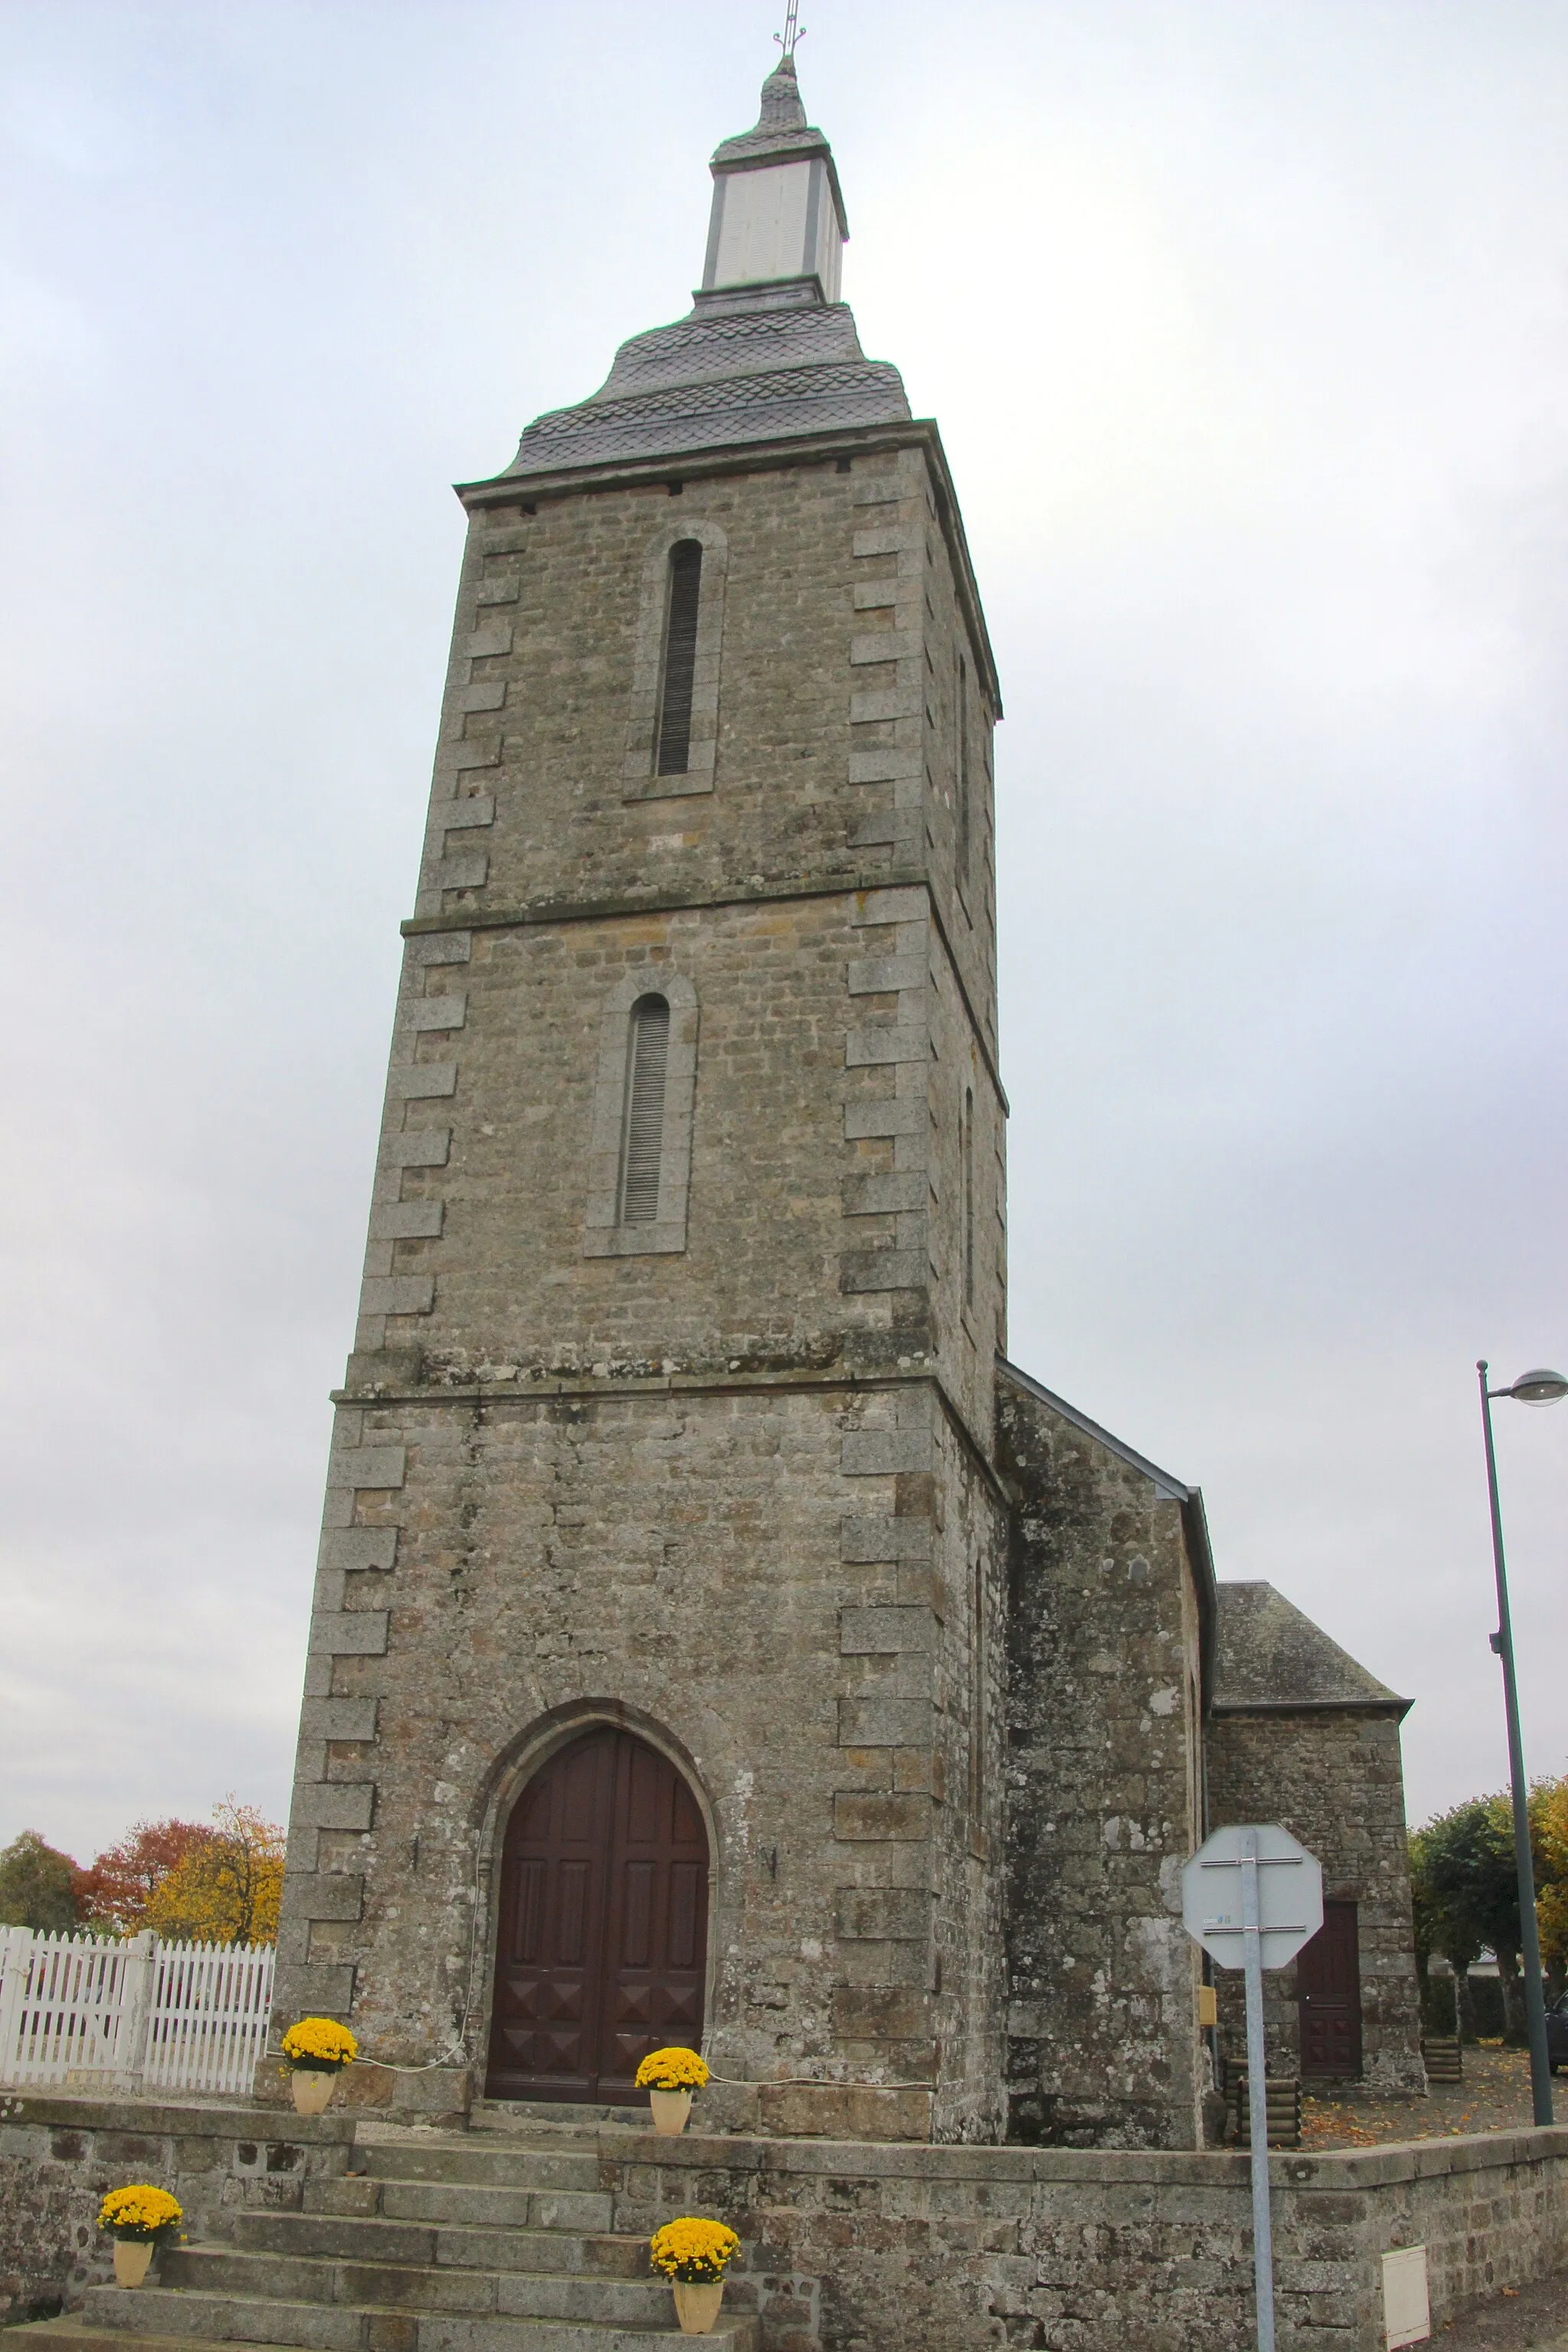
{"type": "Point", "coordinates": [90, 2013]}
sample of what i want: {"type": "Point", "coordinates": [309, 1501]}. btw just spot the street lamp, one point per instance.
{"type": "Point", "coordinates": [1531, 1388]}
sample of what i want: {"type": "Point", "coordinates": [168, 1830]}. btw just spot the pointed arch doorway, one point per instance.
{"type": "Point", "coordinates": [602, 1926]}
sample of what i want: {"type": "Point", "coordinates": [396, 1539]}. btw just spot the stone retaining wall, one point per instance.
{"type": "Point", "coordinates": [853, 2247]}
{"type": "Point", "coordinates": [59, 2156]}
{"type": "Point", "coordinates": [900, 2249]}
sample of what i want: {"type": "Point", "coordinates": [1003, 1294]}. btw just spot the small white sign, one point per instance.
{"type": "Point", "coordinates": [1407, 2313]}
{"type": "Point", "coordinates": [1290, 1895]}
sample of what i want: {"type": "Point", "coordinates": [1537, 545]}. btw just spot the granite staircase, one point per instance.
{"type": "Point", "coordinates": [495, 2240]}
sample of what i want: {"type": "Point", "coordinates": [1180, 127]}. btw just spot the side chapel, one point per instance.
{"type": "Point", "coordinates": [716, 1638]}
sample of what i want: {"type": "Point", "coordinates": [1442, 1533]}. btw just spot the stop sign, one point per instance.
{"type": "Point", "coordinates": [1290, 1895]}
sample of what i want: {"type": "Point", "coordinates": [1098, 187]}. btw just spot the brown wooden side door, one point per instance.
{"type": "Point", "coordinates": [655, 1944]}
{"type": "Point", "coordinates": [602, 1931]}
{"type": "Point", "coordinates": [1328, 1995]}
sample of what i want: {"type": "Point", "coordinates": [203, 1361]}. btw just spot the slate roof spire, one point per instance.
{"type": "Point", "coordinates": [796, 190]}
{"type": "Point", "coordinates": [782, 107]}
{"type": "Point", "coordinates": [768, 352]}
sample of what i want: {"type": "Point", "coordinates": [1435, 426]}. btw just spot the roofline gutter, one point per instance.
{"type": "Point", "coordinates": [1392, 1705]}
{"type": "Point", "coordinates": [1205, 1586]}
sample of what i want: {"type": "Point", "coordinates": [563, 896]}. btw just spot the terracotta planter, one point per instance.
{"type": "Point", "coordinates": [132, 2256]}
{"type": "Point", "coordinates": [312, 2089]}
{"type": "Point", "coordinates": [697, 2301]}
{"type": "Point", "coordinates": [671, 2109]}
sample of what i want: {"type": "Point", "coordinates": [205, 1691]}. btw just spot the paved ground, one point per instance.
{"type": "Point", "coordinates": [1493, 2096]}
{"type": "Point", "coordinates": [1535, 2319]}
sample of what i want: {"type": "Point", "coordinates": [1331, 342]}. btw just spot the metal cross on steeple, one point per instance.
{"type": "Point", "coordinates": [793, 31]}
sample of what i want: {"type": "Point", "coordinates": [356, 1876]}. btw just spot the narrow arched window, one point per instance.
{"type": "Point", "coordinates": [642, 1127]}
{"type": "Point", "coordinates": [969, 1196]}
{"type": "Point", "coordinates": [678, 670]}
{"type": "Point", "coordinates": [961, 763]}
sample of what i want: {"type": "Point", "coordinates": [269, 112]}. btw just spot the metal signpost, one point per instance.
{"type": "Point", "coordinates": [1251, 1896]}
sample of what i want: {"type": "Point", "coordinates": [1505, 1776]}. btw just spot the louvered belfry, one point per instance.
{"type": "Point", "coordinates": [680, 659]}
{"type": "Point", "coordinates": [646, 1066]}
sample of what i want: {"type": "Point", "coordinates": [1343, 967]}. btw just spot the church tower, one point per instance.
{"type": "Point", "coordinates": [653, 1687]}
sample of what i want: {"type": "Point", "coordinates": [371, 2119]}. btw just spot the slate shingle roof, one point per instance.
{"type": "Point", "coordinates": [766, 371]}
{"type": "Point", "coordinates": [1267, 1653]}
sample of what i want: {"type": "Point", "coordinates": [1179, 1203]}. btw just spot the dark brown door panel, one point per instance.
{"type": "Point", "coordinates": [603, 1922]}
{"type": "Point", "coordinates": [1328, 1995]}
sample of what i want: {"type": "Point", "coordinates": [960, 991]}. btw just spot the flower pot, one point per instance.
{"type": "Point", "coordinates": [671, 2109]}
{"type": "Point", "coordinates": [312, 2089]}
{"type": "Point", "coordinates": [132, 2256]}
{"type": "Point", "coordinates": [697, 2301]}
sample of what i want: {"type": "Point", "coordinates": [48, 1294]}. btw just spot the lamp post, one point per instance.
{"type": "Point", "coordinates": [1531, 1388]}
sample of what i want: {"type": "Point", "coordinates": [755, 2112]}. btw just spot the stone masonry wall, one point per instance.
{"type": "Point", "coordinates": [1334, 1779]}
{"type": "Point", "coordinates": [940, 2250]}
{"type": "Point", "coordinates": [836, 738]}
{"type": "Point", "coordinates": [772, 1583]}
{"type": "Point", "coordinates": [60, 2155]}
{"type": "Point", "coordinates": [842, 585]}
{"type": "Point", "coordinates": [824, 1152]}
{"type": "Point", "coordinates": [851, 2247]}
{"type": "Point", "coordinates": [727, 1479]}
{"type": "Point", "coordinates": [1103, 1796]}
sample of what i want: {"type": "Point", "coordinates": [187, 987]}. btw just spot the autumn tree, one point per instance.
{"type": "Point", "coordinates": [39, 1886]}
{"type": "Point", "coordinates": [1548, 1841]}
{"type": "Point", "coordinates": [120, 1884]}
{"type": "Point", "coordinates": [1466, 1885]}
{"type": "Point", "coordinates": [227, 1887]}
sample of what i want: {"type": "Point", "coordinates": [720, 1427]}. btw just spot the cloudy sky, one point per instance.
{"type": "Point", "coordinates": [1247, 326]}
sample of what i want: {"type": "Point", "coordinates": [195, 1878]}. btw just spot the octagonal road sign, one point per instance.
{"type": "Point", "coordinates": [1290, 1895]}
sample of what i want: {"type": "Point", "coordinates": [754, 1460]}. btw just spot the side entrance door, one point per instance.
{"type": "Point", "coordinates": [602, 1936]}
{"type": "Point", "coordinates": [1328, 1993]}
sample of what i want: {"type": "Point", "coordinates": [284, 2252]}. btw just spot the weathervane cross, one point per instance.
{"type": "Point", "coordinates": [793, 31]}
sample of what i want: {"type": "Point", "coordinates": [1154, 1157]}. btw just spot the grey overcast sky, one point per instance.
{"type": "Point", "coordinates": [1247, 326]}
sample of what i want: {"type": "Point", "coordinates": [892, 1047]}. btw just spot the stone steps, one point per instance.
{"type": "Point", "coordinates": [189, 2318]}
{"type": "Point", "coordinates": [499, 2163]}
{"type": "Point", "coordinates": [548, 2180]}
{"type": "Point", "coordinates": [368, 2237]}
{"type": "Point", "coordinates": [554, 2115]}
{"type": "Point", "coordinates": [566, 2292]}
{"type": "Point", "coordinates": [435, 2245]}
{"type": "Point", "coordinates": [72, 2333]}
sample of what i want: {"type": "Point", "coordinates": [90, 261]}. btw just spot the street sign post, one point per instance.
{"type": "Point", "coordinates": [1252, 1897]}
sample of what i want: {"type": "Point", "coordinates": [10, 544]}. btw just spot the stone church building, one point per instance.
{"type": "Point", "coordinates": [716, 1638]}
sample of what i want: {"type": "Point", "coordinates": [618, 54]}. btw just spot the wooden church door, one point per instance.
{"type": "Point", "coordinates": [602, 1936]}
{"type": "Point", "coordinates": [1328, 1990]}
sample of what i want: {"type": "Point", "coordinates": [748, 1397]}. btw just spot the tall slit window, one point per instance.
{"type": "Point", "coordinates": [680, 669]}
{"type": "Point", "coordinates": [962, 757]}
{"type": "Point", "coordinates": [642, 1128]}
{"type": "Point", "coordinates": [969, 1196]}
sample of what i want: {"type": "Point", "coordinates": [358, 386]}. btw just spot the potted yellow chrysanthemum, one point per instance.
{"type": "Point", "coordinates": [317, 2049]}
{"type": "Point", "coordinates": [669, 2077]}
{"type": "Point", "coordinates": [138, 2219]}
{"type": "Point", "coordinates": [693, 2254]}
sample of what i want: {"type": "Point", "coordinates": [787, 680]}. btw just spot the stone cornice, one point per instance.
{"type": "Point", "coordinates": [543, 912]}
{"type": "Point", "coordinates": [528, 491]}
{"type": "Point", "coordinates": [547, 1388]}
